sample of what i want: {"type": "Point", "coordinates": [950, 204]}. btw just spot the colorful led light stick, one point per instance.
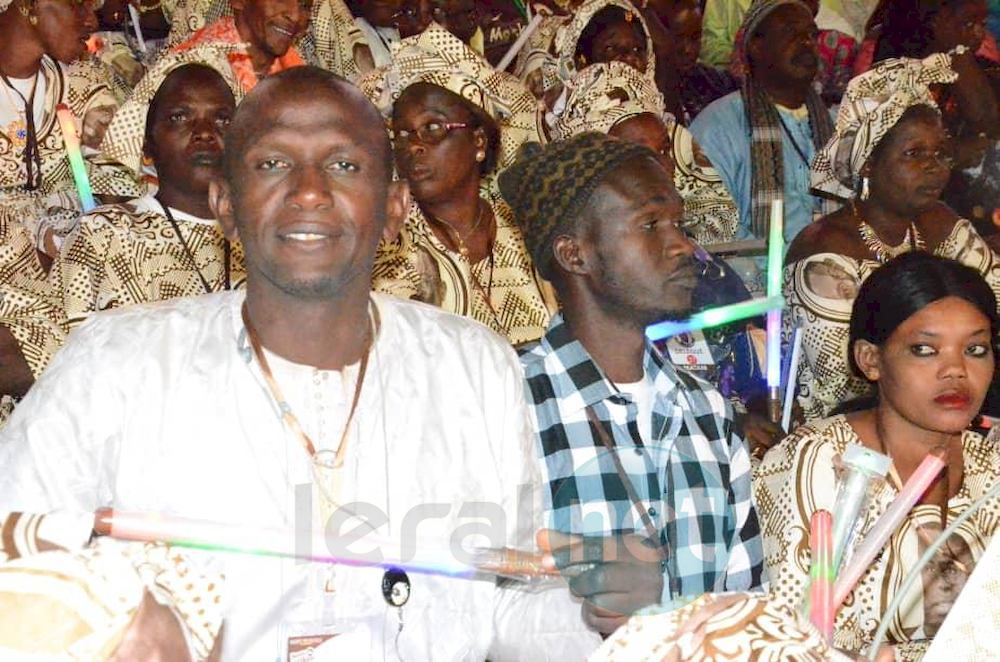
{"type": "Point", "coordinates": [775, 256]}
{"type": "Point", "coordinates": [792, 379]}
{"type": "Point", "coordinates": [884, 526]}
{"type": "Point", "coordinates": [821, 572]}
{"type": "Point", "coordinates": [134, 15]}
{"type": "Point", "coordinates": [706, 319]}
{"type": "Point", "coordinates": [315, 546]}
{"type": "Point", "coordinates": [72, 142]}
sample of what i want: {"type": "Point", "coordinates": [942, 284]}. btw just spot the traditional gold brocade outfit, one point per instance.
{"type": "Point", "coordinates": [502, 291]}
{"type": "Point", "coordinates": [820, 292]}
{"type": "Point", "coordinates": [797, 477]}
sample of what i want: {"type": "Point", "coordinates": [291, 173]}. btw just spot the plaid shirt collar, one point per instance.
{"type": "Point", "coordinates": [577, 380]}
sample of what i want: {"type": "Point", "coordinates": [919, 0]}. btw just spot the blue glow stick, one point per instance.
{"type": "Point", "coordinates": [707, 319]}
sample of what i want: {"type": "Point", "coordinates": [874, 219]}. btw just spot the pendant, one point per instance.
{"type": "Point", "coordinates": [17, 132]}
{"type": "Point", "coordinates": [395, 587]}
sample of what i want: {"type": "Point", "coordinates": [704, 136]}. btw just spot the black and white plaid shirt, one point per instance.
{"type": "Point", "coordinates": [693, 479]}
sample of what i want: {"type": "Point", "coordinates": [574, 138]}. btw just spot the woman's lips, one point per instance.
{"type": "Point", "coordinates": [953, 400]}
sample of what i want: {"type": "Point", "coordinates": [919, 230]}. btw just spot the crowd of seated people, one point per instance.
{"type": "Point", "coordinates": [301, 277]}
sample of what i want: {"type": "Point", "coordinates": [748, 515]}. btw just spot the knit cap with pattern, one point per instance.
{"type": "Point", "coordinates": [548, 186]}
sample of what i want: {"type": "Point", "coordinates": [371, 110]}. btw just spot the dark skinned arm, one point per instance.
{"type": "Point", "coordinates": [15, 375]}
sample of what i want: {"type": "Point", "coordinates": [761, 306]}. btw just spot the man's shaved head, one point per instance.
{"type": "Point", "coordinates": [261, 108]}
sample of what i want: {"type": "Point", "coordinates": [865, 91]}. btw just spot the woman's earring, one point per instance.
{"type": "Point", "coordinates": [480, 156]}
{"type": "Point", "coordinates": [26, 11]}
{"type": "Point", "coordinates": [864, 188]}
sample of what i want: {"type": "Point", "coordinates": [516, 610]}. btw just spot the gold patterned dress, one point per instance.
{"type": "Point", "coordinates": [796, 478]}
{"type": "Point", "coordinates": [505, 293]}
{"type": "Point", "coordinates": [51, 209]}
{"type": "Point", "coordinates": [118, 255]}
{"type": "Point", "coordinates": [820, 291]}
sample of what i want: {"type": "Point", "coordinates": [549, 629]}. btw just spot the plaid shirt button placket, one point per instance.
{"type": "Point", "coordinates": [693, 480]}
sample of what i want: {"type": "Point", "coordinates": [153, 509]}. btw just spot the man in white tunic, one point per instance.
{"type": "Point", "coordinates": [265, 408]}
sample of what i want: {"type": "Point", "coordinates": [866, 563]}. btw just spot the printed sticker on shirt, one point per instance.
{"type": "Point", "coordinates": [690, 350]}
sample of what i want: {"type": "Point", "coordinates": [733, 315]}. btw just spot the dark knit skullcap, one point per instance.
{"type": "Point", "coordinates": [547, 187]}
{"type": "Point", "coordinates": [758, 11]}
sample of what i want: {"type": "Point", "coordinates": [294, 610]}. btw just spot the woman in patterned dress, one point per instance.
{"type": "Point", "coordinates": [455, 120]}
{"type": "Point", "coordinates": [923, 331]}
{"type": "Point", "coordinates": [889, 160]}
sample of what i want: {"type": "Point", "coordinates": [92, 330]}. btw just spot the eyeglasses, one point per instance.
{"type": "Point", "coordinates": [926, 157]}
{"type": "Point", "coordinates": [431, 133]}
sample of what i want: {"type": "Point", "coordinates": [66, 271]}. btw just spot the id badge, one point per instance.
{"type": "Point", "coordinates": [316, 641]}
{"type": "Point", "coordinates": [690, 350]}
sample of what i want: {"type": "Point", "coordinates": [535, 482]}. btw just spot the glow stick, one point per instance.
{"type": "Point", "coordinates": [792, 379]}
{"type": "Point", "coordinates": [862, 467]}
{"type": "Point", "coordinates": [821, 572]}
{"type": "Point", "coordinates": [707, 319]}
{"type": "Point", "coordinates": [886, 524]}
{"type": "Point", "coordinates": [72, 142]}
{"type": "Point", "coordinates": [315, 546]}
{"type": "Point", "coordinates": [775, 256]}
{"type": "Point", "coordinates": [519, 43]}
{"type": "Point", "coordinates": [134, 14]}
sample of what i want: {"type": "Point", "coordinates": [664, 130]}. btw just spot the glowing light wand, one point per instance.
{"type": "Point", "coordinates": [72, 142]}
{"type": "Point", "coordinates": [707, 319]}
{"type": "Point", "coordinates": [426, 558]}
{"type": "Point", "coordinates": [775, 256]}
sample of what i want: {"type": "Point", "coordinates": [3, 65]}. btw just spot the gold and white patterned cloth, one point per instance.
{"type": "Point", "coordinates": [118, 255]}
{"type": "Point", "coordinates": [78, 603]}
{"type": "Point", "coordinates": [50, 210]}
{"type": "Point", "coordinates": [602, 95]}
{"type": "Point", "coordinates": [438, 57]}
{"type": "Point", "coordinates": [718, 627]}
{"type": "Point", "coordinates": [872, 104]}
{"type": "Point", "coordinates": [797, 477]}
{"type": "Point", "coordinates": [820, 291]}
{"type": "Point", "coordinates": [505, 293]}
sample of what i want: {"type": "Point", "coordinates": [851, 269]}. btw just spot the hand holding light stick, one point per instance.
{"type": "Point", "coordinates": [76, 165]}
{"type": "Point", "coordinates": [775, 257]}
{"type": "Point", "coordinates": [427, 558]}
{"type": "Point", "coordinates": [885, 525]}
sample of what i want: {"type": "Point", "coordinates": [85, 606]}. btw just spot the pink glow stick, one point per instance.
{"type": "Point", "coordinates": [883, 528]}
{"type": "Point", "coordinates": [821, 571]}
{"type": "Point", "coordinates": [72, 142]}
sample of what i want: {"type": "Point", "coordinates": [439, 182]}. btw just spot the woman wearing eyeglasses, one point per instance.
{"type": "Point", "coordinates": [889, 159]}
{"type": "Point", "coordinates": [454, 120]}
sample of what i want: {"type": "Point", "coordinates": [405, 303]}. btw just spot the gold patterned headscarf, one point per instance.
{"type": "Point", "coordinates": [569, 35]}
{"type": "Point", "coordinates": [124, 140]}
{"type": "Point", "coordinates": [440, 58]}
{"type": "Point", "coordinates": [872, 105]}
{"type": "Point", "coordinates": [602, 95]}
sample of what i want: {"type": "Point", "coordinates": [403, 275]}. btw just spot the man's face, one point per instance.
{"type": "Point", "coordinates": [274, 25]}
{"type": "Point", "coordinates": [459, 17]}
{"type": "Point", "coordinates": [643, 269]}
{"type": "Point", "coordinates": [64, 26]}
{"type": "Point", "coordinates": [784, 46]}
{"type": "Point", "coordinates": [685, 29]}
{"type": "Point", "coordinates": [192, 110]}
{"type": "Point", "coordinates": [310, 194]}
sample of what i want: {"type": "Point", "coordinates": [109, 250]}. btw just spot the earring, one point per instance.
{"type": "Point", "coordinates": [26, 11]}
{"type": "Point", "coordinates": [864, 188]}
{"type": "Point", "coordinates": [480, 156]}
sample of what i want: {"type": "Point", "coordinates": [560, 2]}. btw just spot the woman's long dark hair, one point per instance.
{"type": "Point", "coordinates": [906, 285]}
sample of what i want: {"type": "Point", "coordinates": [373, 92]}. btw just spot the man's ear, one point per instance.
{"type": "Point", "coordinates": [237, 6]}
{"type": "Point", "coordinates": [569, 254]}
{"type": "Point", "coordinates": [868, 358]}
{"type": "Point", "coordinates": [397, 206]}
{"type": "Point", "coordinates": [221, 202]}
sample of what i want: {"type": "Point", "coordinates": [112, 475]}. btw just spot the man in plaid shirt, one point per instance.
{"type": "Point", "coordinates": [632, 449]}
